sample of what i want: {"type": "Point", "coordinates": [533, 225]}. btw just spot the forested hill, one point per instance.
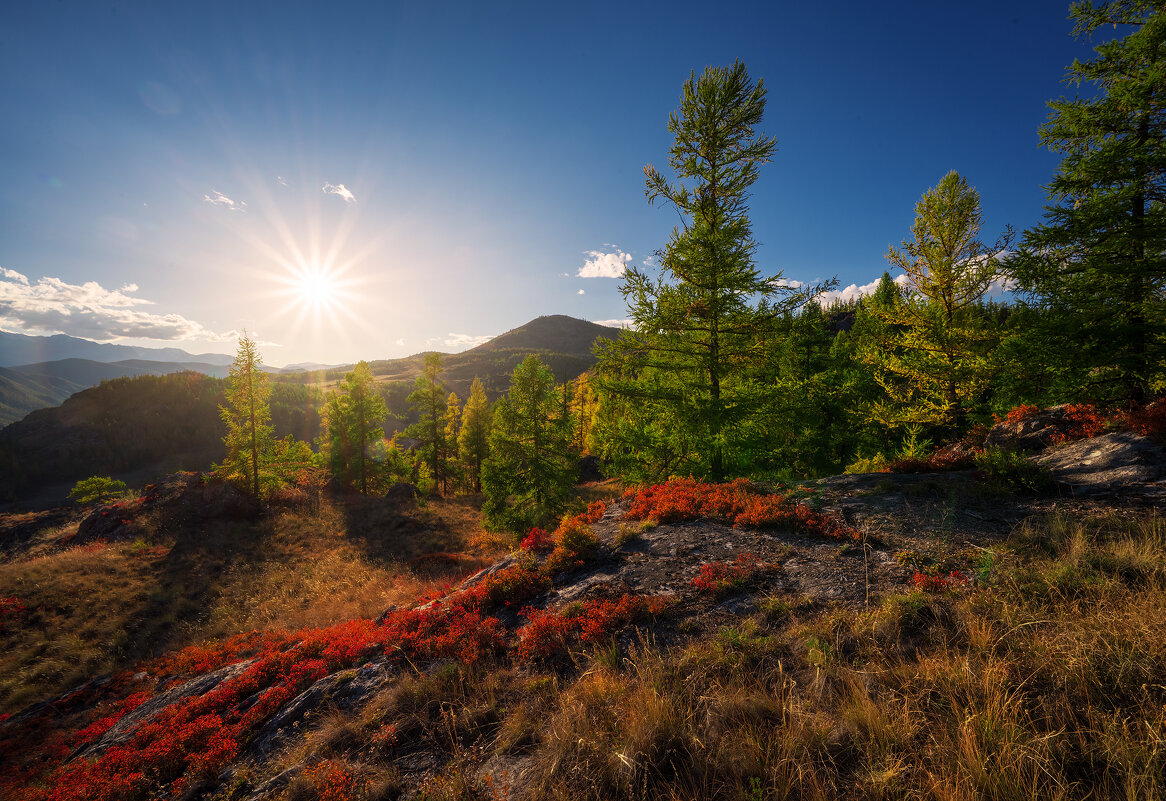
{"type": "Point", "coordinates": [143, 423]}
{"type": "Point", "coordinates": [563, 343]}
{"type": "Point", "coordinates": [151, 423]}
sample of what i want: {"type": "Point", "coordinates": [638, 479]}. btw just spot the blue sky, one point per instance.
{"type": "Point", "coordinates": [172, 173]}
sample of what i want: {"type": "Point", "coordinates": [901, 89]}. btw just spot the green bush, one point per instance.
{"type": "Point", "coordinates": [96, 489]}
{"type": "Point", "coordinates": [1013, 471]}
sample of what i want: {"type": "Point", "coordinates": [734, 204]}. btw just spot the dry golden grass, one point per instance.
{"type": "Point", "coordinates": [1049, 684]}
{"type": "Point", "coordinates": [96, 609]}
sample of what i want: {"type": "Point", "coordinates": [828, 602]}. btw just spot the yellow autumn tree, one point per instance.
{"type": "Point", "coordinates": [930, 352]}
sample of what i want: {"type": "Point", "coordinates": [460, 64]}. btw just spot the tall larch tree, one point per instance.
{"type": "Point", "coordinates": [428, 399]}
{"type": "Point", "coordinates": [702, 327]}
{"type": "Point", "coordinates": [453, 420]}
{"type": "Point", "coordinates": [933, 360]}
{"type": "Point", "coordinates": [530, 471]}
{"type": "Point", "coordinates": [1098, 263]}
{"type": "Point", "coordinates": [247, 415]}
{"type": "Point", "coordinates": [474, 436]}
{"type": "Point", "coordinates": [355, 416]}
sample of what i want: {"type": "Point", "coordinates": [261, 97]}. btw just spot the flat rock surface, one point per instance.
{"type": "Point", "coordinates": [1118, 459]}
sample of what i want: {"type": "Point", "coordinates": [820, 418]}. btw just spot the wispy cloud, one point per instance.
{"type": "Point", "coordinates": [624, 323]}
{"type": "Point", "coordinates": [401, 343]}
{"type": "Point", "coordinates": [459, 341]}
{"type": "Point", "coordinates": [341, 190]}
{"type": "Point", "coordinates": [279, 179]}
{"type": "Point", "coordinates": [581, 292]}
{"type": "Point", "coordinates": [91, 311]}
{"type": "Point", "coordinates": [216, 198]}
{"type": "Point", "coordinates": [604, 265]}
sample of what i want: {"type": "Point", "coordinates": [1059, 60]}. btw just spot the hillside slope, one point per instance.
{"type": "Point", "coordinates": [911, 631]}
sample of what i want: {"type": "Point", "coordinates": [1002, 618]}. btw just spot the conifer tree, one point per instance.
{"type": "Point", "coordinates": [932, 359]}
{"type": "Point", "coordinates": [702, 328]}
{"type": "Point", "coordinates": [247, 415]}
{"type": "Point", "coordinates": [355, 416]}
{"type": "Point", "coordinates": [529, 472]}
{"type": "Point", "coordinates": [428, 398]}
{"type": "Point", "coordinates": [583, 404]}
{"type": "Point", "coordinates": [1098, 263]}
{"type": "Point", "coordinates": [453, 419]}
{"type": "Point", "coordinates": [474, 437]}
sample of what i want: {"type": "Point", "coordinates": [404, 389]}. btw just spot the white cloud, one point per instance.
{"type": "Point", "coordinates": [279, 179]}
{"type": "Point", "coordinates": [13, 275]}
{"type": "Point", "coordinates": [341, 190]}
{"type": "Point", "coordinates": [854, 291]}
{"type": "Point", "coordinates": [604, 265]}
{"type": "Point", "coordinates": [91, 311]}
{"type": "Point", "coordinates": [624, 323]}
{"type": "Point", "coordinates": [581, 292]}
{"type": "Point", "coordinates": [400, 343]}
{"type": "Point", "coordinates": [220, 199]}
{"type": "Point", "coordinates": [460, 341]}
{"type": "Point", "coordinates": [785, 282]}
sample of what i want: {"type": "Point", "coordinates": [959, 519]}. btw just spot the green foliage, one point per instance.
{"type": "Point", "coordinates": [930, 350]}
{"type": "Point", "coordinates": [354, 416]}
{"type": "Point", "coordinates": [247, 416]}
{"type": "Point", "coordinates": [1013, 471]}
{"type": "Point", "coordinates": [96, 489]}
{"type": "Point", "coordinates": [529, 473]}
{"type": "Point", "coordinates": [429, 401]}
{"type": "Point", "coordinates": [1097, 262]}
{"type": "Point", "coordinates": [689, 371]}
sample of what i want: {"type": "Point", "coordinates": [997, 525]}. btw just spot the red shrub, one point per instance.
{"type": "Point", "coordinates": [510, 586]}
{"type": "Point", "coordinates": [333, 781]}
{"type": "Point", "coordinates": [1083, 421]}
{"type": "Point", "coordinates": [538, 539]}
{"type": "Point", "coordinates": [11, 611]}
{"type": "Point", "coordinates": [1148, 420]}
{"type": "Point", "coordinates": [600, 619]}
{"type": "Point", "coordinates": [952, 580]}
{"type": "Point", "coordinates": [550, 635]}
{"type": "Point", "coordinates": [546, 636]}
{"type": "Point", "coordinates": [1019, 414]}
{"type": "Point", "coordinates": [717, 578]}
{"type": "Point", "coordinates": [594, 512]}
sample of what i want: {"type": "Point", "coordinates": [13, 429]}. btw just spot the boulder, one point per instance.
{"type": "Point", "coordinates": [1105, 462]}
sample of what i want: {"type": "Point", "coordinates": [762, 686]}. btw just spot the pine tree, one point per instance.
{"type": "Point", "coordinates": [529, 472]}
{"type": "Point", "coordinates": [428, 398]}
{"type": "Point", "coordinates": [702, 328]}
{"type": "Point", "coordinates": [474, 436]}
{"type": "Point", "coordinates": [247, 416]}
{"type": "Point", "coordinates": [1098, 263]}
{"type": "Point", "coordinates": [932, 359]}
{"type": "Point", "coordinates": [355, 416]}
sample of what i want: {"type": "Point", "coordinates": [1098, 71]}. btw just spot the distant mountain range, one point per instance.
{"type": "Point", "coordinates": [21, 349]}
{"type": "Point", "coordinates": [40, 372]}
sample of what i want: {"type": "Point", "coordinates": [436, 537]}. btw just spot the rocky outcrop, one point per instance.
{"type": "Point", "coordinates": [1120, 459]}
{"type": "Point", "coordinates": [198, 686]}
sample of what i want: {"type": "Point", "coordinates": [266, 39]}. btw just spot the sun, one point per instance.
{"type": "Point", "coordinates": [316, 287]}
